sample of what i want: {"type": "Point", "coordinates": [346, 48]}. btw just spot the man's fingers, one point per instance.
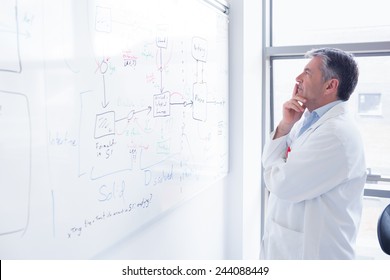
{"type": "Point", "coordinates": [294, 104]}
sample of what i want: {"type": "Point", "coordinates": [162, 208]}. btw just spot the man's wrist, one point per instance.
{"type": "Point", "coordinates": [282, 130]}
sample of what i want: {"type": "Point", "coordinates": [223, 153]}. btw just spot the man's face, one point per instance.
{"type": "Point", "coordinates": [311, 85]}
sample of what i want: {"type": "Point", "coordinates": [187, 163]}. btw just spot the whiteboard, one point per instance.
{"type": "Point", "coordinates": [111, 113]}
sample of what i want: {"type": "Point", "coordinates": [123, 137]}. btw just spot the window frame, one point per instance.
{"type": "Point", "coordinates": [272, 53]}
{"type": "Point", "coordinates": [296, 52]}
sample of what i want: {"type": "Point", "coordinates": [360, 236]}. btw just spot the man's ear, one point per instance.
{"type": "Point", "coordinates": [332, 86]}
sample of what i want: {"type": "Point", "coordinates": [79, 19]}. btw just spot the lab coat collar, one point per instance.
{"type": "Point", "coordinates": [337, 110]}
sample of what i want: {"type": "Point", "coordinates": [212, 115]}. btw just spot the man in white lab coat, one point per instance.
{"type": "Point", "coordinates": [314, 165]}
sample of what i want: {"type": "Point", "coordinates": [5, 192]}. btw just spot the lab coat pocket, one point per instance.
{"type": "Point", "coordinates": [284, 243]}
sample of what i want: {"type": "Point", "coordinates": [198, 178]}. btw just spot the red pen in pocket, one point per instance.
{"type": "Point", "coordinates": [288, 151]}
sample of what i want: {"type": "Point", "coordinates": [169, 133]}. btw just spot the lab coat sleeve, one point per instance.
{"type": "Point", "coordinates": [275, 150]}
{"type": "Point", "coordinates": [310, 170]}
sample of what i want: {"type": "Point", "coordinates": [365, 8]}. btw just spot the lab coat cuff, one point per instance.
{"type": "Point", "coordinates": [274, 149]}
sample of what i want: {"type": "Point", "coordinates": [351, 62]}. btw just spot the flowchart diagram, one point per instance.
{"type": "Point", "coordinates": [110, 152]}
{"type": "Point", "coordinates": [171, 131]}
{"type": "Point", "coordinates": [109, 118]}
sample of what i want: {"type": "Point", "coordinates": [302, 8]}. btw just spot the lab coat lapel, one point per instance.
{"type": "Point", "coordinates": [336, 111]}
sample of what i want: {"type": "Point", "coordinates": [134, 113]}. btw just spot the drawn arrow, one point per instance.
{"type": "Point", "coordinates": [131, 114]}
{"type": "Point", "coordinates": [185, 103]}
{"type": "Point", "coordinates": [104, 103]}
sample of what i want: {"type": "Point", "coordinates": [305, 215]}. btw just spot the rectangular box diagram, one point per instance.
{"type": "Point", "coordinates": [15, 162]}
{"type": "Point", "coordinates": [9, 37]}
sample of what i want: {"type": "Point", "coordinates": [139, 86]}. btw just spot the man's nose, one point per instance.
{"type": "Point", "coordinates": [298, 79]}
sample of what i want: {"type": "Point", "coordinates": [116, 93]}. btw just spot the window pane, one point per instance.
{"type": "Point", "coordinates": [374, 123]}
{"type": "Point", "coordinates": [302, 22]}
{"type": "Point", "coordinates": [370, 104]}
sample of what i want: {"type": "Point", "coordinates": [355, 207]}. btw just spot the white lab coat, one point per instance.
{"type": "Point", "coordinates": [315, 200]}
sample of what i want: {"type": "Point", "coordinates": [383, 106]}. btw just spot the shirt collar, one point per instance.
{"type": "Point", "coordinates": [322, 110]}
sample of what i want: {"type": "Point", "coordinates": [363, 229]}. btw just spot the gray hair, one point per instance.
{"type": "Point", "coordinates": [340, 65]}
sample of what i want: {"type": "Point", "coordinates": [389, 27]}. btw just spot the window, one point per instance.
{"type": "Point", "coordinates": [370, 104]}
{"type": "Point", "coordinates": [298, 26]}
{"type": "Point", "coordinates": [305, 22]}
{"type": "Point", "coordinates": [374, 125]}
{"type": "Point", "coordinates": [375, 131]}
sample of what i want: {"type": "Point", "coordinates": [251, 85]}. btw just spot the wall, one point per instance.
{"type": "Point", "coordinates": [222, 222]}
{"type": "Point", "coordinates": [245, 128]}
